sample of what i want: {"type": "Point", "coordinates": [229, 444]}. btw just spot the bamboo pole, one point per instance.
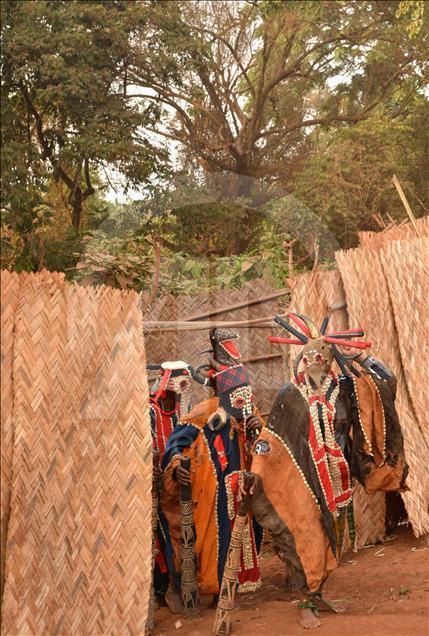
{"type": "Point", "coordinates": [182, 325]}
{"type": "Point", "coordinates": [405, 202]}
{"type": "Point", "coordinates": [154, 327]}
{"type": "Point", "coordinates": [245, 303]}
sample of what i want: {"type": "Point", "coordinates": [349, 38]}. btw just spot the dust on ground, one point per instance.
{"type": "Point", "coordinates": [384, 589]}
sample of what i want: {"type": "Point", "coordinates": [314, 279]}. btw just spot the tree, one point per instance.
{"type": "Point", "coordinates": [63, 63]}
{"type": "Point", "coordinates": [347, 183]}
{"type": "Point", "coordinates": [252, 80]}
{"type": "Point", "coordinates": [286, 121]}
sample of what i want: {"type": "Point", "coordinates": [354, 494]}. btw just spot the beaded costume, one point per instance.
{"type": "Point", "coordinates": [175, 377]}
{"type": "Point", "coordinates": [213, 436]}
{"type": "Point", "coordinates": [323, 430]}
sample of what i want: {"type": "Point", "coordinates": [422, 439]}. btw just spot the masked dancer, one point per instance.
{"type": "Point", "coordinates": [168, 400]}
{"type": "Point", "coordinates": [215, 435]}
{"type": "Point", "coordinates": [324, 428]}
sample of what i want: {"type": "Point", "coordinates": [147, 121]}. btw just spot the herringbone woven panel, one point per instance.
{"type": "Point", "coordinates": [334, 295]}
{"type": "Point", "coordinates": [369, 304]}
{"type": "Point", "coordinates": [10, 283]}
{"type": "Point", "coordinates": [78, 551]}
{"type": "Point", "coordinates": [305, 299]}
{"type": "Point", "coordinates": [370, 514]}
{"type": "Point", "coordinates": [376, 240]}
{"type": "Point", "coordinates": [406, 266]}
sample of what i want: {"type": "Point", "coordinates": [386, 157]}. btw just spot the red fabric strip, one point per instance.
{"type": "Point", "coordinates": [220, 449]}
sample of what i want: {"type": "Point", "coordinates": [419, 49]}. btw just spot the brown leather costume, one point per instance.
{"type": "Point", "coordinates": [290, 498]}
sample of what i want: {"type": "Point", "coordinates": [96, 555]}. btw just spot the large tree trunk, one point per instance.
{"type": "Point", "coordinates": [76, 201]}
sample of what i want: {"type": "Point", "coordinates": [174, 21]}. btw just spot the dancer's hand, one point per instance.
{"type": "Point", "coordinates": [183, 476]}
{"type": "Point", "coordinates": [253, 422]}
{"type": "Point", "coordinates": [247, 485]}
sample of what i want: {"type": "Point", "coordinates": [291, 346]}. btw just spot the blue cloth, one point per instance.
{"type": "Point", "coordinates": [182, 437]}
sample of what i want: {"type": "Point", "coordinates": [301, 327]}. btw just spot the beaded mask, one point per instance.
{"type": "Point", "coordinates": [238, 402]}
{"type": "Point", "coordinates": [320, 349]}
{"type": "Point", "coordinates": [232, 386]}
{"type": "Point", "coordinates": [175, 376]}
{"type": "Point", "coordinates": [316, 360]}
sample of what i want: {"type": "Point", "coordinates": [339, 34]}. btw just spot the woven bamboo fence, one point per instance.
{"type": "Point", "coordinates": [266, 372]}
{"type": "Point", "coordinates": [76, 487]}
{"type": "Point", "coordinates": [9, 296]}
{"type": "Point", "coordinates": [383, 286]}
{"type": "Point", "coordinates": [76, 465]}
{"type": "Point", "coordinates": [387, 287]}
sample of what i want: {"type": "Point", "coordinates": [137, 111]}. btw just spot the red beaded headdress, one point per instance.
{"type": "Point", "coordinates": [308, 331]}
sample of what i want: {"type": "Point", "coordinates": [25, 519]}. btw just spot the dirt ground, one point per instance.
{"type": "Point", "coordinates": [384, 589]}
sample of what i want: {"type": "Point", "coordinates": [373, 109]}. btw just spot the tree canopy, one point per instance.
{"type": "Point", "coordinates": [251, 81]}
{"type": "Point", "coordinates": [63, 67]}
{"type": "Point", "coordinates": [252, 130]}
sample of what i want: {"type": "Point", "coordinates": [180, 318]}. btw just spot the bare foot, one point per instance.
{"type": "Point", "coordinates": [307, 619]}
{"type": "Point", "coordinates": [173, 600]}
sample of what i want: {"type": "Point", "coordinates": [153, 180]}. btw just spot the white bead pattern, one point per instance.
{"type": "Point", "coordinates": [247, 547]}
{"type": "Point", "coordinates": [328, 440]}
{"type": "Point", "coordinates": [229, 493]}
{"type": "Point", "coordinates": [249, 586]}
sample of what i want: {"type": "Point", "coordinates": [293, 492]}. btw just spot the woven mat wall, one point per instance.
{"type": "Point", "coordinates": [406, 264]}
{"type": "Point", "coordinates": [267, 375]}
{"type": "Point", "coordinates": [78, 550]}
{"type": "Point", "coordinates": [9, 297]}
{"type": "Point", "coordinates": [401, 232]}
{"type": "Point", "coordinates": [387, 291]}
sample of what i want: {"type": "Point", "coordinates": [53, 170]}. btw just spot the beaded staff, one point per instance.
{"type": "Point", "coordinates": [222, 623]}
{"type": "Point", "coordinates": [188, 559]}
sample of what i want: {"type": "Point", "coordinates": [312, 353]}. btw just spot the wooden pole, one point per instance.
{"type": "Point", "coordinates": [181, 325]}
{"type": "Point", "coordinates": [188, 559]}
{"type": "Point", "coordinates": [245, 303]}
{"type": "Point", "coordinates": [405, 202]}
{"type": "Point", "coordinates": [164, 327]}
